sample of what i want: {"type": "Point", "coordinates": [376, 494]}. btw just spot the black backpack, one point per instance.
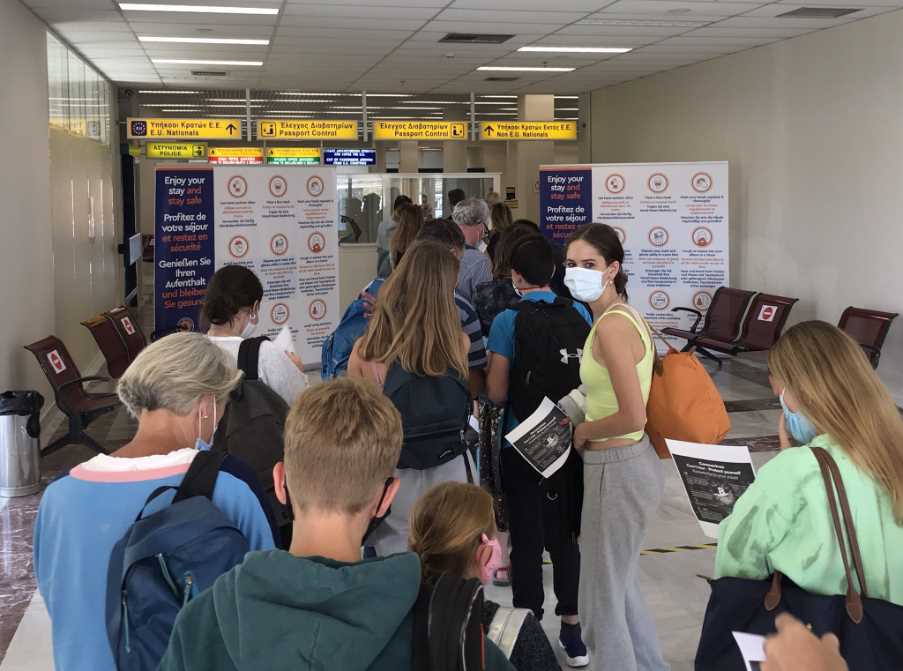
{"type": "Point", "coordinates": [163, 561]}
{"type": "Point", "coordinates": [253, 426]}
{"type": "Point", "coordinates": [434, 412]}
{"type": "Point", "coordinates": [548, 346]}
{"type": "Point", "coordinates": [448, 626]}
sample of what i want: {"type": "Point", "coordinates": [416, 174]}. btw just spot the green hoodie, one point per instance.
{"type": "Point", "coordinates": [278, 612]}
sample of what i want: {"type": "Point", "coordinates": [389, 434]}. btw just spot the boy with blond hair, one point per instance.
{"type": "Point", "coordinates": [318, 605]}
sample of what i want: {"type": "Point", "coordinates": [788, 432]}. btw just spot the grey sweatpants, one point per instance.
{"type": "Point", "coordinates": [622, 490]}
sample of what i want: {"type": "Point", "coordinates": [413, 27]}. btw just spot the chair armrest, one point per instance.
{"type": "Point", "coordinates": [870, 349]}
{"type": "Point", "coordinates": [692, 312]}
{"type": "Point", "coordinates": [80, 380]}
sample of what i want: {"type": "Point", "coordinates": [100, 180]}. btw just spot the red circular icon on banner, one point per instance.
{"type": "Point", "coordinates": [315, 186]}
{"type": "Point", "coordinates": [622, 234]}
{"type": "Point", "coordinates": [277, 186]}
{"type": "Point", "coordinates": [279, 244]}
{"type": "Point", "coordinates": [659, 300]}
{"type": "Point", "coordinates": [237, 186]}
{"type": "Point", "coordinates": [615, 183]}
{"type": "Point", "coordinates": [317, 309]}
{"type": "Point", "coordinates": [702, 300]}
{"type": "Point", "coordinates": [279, 313]}
{"type": "Point", "coordinates": [701, 182]}
{"type": "Point", "coordinates": [239, 246]}
{"type": "Point", "coordinates": [316, 242]}
{"type": "Point", "coordinates": [703, 236]}
{"type": "Point", "coordinates": [658, 236]}
{"type": "Point", "coordinates": [657, 182]}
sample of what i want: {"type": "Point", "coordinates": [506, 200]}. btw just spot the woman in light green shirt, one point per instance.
{"type": "Point", "coordinates": [832, 398]}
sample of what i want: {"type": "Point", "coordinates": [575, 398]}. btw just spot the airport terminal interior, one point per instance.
{"type": "Point", "coordinates": [744, 155]}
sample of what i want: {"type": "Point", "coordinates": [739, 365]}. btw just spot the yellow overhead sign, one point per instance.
{"type": "Point", "coordinates": [419, 130]}
{"type": "Point", "coordinates": [235, 155]}
{"type": "Point", "coordinates": [183, 129]}
{"type": "Point", "coordinates": [528, 130]}
{"type": "Point", "coordinates": [177, 150]}
{"type": "Point", "coordinates": [306, 129]}
{"type": "Point", "coordinates": [293, 152]}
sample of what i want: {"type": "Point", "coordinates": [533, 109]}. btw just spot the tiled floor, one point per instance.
{"type": "Point", "coordinates": [675, 595]}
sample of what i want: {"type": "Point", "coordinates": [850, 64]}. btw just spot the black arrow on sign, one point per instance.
{"type": "Point", "coordinates": [489, 130]}
{"type": "Point", "coordinates": [231, 128]}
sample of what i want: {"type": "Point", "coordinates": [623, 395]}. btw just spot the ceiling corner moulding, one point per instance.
{"type": "Point", "coordinates": [195, 9]}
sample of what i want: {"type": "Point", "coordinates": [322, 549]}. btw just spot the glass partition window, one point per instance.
{"type": "Point", "coordinates": [79, 97]}
{"type": "Point", "coordinates": [365, 200]}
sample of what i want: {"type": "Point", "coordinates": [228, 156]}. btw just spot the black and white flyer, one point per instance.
{"type": "Point", "coordinates": [714, 477]}
{"type": "Point", "coordinates": [542, 440]}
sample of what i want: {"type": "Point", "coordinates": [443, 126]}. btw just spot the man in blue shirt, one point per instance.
{"type": "Point", "coordinates": [541, 512]}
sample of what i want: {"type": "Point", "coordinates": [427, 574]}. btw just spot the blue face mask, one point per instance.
{"type": "Point", "coordinates": [799, 426]}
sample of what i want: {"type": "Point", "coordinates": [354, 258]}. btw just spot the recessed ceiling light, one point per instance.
{"type": "Point", "coordinates": [197, 61]}
{"type": "Point", "coordinates": [578, 50]}
{"type": "Point", "coordinates": [148, 92]}
{"type": "Point", "coordinates": [202, 40]}
{"type": "Point", "coordinates": [499, 68]}
{"type": "Point", "coordinates": [198, 9]}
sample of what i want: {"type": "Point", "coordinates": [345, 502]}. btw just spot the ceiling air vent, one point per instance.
{"type": "Point", "coordinates": [501, 79]}
{"type": "Point", "coordinates": [818, 13]}
{"type": "Point", "coordinates": [208, 73]}
{"type": "Point", "coordinates": [475, 38]}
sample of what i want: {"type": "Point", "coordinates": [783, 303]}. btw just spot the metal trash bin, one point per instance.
{"type": "Point", "coordinates": [20, 443]}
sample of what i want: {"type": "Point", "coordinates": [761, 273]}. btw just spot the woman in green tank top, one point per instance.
{"type": "Point", "coordinates": [623, 479]}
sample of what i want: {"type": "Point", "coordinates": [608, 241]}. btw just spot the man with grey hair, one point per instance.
{"type": "Point", "coordinates": [472, 217]}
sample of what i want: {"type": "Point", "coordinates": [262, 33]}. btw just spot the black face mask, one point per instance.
{"type": "Point", "coordinates": [376, 521]}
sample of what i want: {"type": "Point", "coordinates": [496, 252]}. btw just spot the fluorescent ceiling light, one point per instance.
{"type": "Point", "coordinates": [202, 40]}
{"type": "Point", "coordinates": [383, 95]}
{"type": "Point", "coordinates": [197, 9]}
{"type": "Point", "coordinates": [288, 112]}
{"type": "Point", "coordinates": [577, 50]}
{"type": "Point", "coordinates": [567, 97]}
{"type": "Point", "coordinates": [169, 104]}
{"type": "Point", "coordinates": [199, 61]}
{"type": "Point", "coordinates": [296, 93]}
{"type": "Point", "coordinates": [236, 100]}
{"type": "Point", "coordinates": [233, 106]}
{"type": "Point", "coordinates": [509, 97]}
{"type": "Point", "coordinates": [500, 68]}
{"type": "Point", "coordinates": [147, 92]}
{"type": "Point", "coordinates": [568, 109]}
{"type": "Point", "coordinates": [183, 109]}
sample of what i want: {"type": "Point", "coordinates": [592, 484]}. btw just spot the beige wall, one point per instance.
{"type": "Point", "coordinates": [812, 129]}
{"type": "Point", "coordinates": [54, 275]}
{"type": "Point", "coordinates": [26, 291]}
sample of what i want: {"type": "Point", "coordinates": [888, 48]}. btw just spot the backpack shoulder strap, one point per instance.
{"type": "Point", "coordinates": [200, 479]}
{"type": "Point", "coordinates": [249, 356]}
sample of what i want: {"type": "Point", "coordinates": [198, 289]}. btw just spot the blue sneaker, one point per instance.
{"type": "Point", "coordinates": [571, 641]}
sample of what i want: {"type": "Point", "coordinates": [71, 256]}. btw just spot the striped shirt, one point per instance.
{"type": "Point", "coordinates": [470, 324]}
{"type": "Point", "coordinates": [475, 269]}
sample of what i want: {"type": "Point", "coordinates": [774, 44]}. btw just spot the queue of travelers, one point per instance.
{"type": "Point", "coordinates": [362, 539]}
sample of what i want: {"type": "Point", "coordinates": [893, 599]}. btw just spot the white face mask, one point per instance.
{"type": "Point", "coordinates": [584, 284]}
{"type": "Point", "coordinates": [251, 327]}
{"type": "Point", "coordinates": [520, 294]}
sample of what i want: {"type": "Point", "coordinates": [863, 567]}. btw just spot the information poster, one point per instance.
{"type": "Point", "coordinates": [183, 247]}
{"type": "Point", "coordinates": [672, 219]}
{"type": "Point", "coordinates": [714, 477]}
{"type": "Point", "coordinates": [280, 222]}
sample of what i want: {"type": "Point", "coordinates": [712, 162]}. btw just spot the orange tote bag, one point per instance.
{"type": "Point", "coordinates": [684, 403]}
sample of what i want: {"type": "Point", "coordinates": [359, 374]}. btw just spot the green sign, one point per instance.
{"type": "Point", "coordinates": [293, 160]}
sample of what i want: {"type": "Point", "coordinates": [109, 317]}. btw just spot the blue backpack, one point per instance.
{"type": "Point", "coordinates": [337, 346]}
{"type": "Point", "coordinates": [163, 561]}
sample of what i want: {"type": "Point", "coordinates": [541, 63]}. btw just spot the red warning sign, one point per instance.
{"type": "Point", "coordinates": [56, 361]}
{"type": "Point", "coordinates": [127, 325]}
{"type": "Point", "coordinates": [768, 313]}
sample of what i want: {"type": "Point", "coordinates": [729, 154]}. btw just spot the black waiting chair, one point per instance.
{"type": "Point", "coordinates": [723, 320]}
{"type": "Point", "coordinates": [80, 406]}
{"type": "Point", "coordinates": [867, 327]}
